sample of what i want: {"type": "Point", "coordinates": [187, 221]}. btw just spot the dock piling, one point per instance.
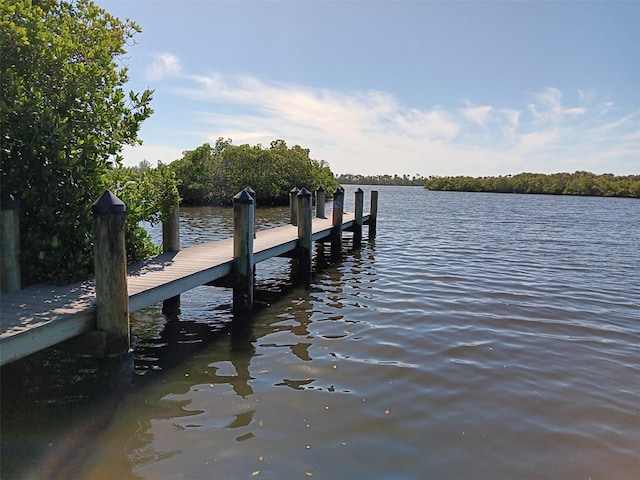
{"type": "Point", "coordinates": [10, 279]}
{"type": "Point", "coordinates": [171, 243]}
{"type": "Point", "coordinates": [293, 205]}
{"type": "Point", "coordinates": [243, 225]}
{"type": "Point", "coordinates": [336, 234]}
{"type": "Point", "coordinates": [357, 224]}
{"type": "Point", "coordinates": [252, 192]}
{"type": "Point", "coordinates": [110, 264]}
{"type": "Point", "coordinates": [171, 229]}
{"type": "Point", "coordinates": [304, 234]}
{"type": "Point", "coordinates": [373, 215]}
{"type": "Point", "coordinates": [320, 200]}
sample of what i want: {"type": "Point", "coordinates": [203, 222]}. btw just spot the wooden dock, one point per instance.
{"type": "Point", "coordinates": [41, 316]}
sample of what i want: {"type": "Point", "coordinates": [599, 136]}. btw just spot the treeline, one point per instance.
{"type": "Point", "coordinates": [578, 183]}
{"type": "Point", "coordinates": [355, 179]}
{"type": "Point", "coordinates": [214, 174]}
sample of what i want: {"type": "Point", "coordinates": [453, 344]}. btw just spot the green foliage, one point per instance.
{"type": "Point", "coordinates": [148, 193]}
{"type": "Point", "coordinates": [194, 172]}
{"type": "Point", "coordinates": [357, 179]}
{"type": "Point", "coordinates": [578, 183]}
{"type": "Point", "coordinates": [215, 174]}
{"type": "Point", "coordinates": [64, 117]}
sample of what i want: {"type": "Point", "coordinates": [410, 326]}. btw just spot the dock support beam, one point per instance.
{"type": "Point", "coordinates": [243, 225]}
{"type": "Point", "coordinates": [10, 279]}
{"type": "Point", "coordinates": [170, 244]}
{"type": "Point", "coordinates": [293, 204]}
{"type": "Point", "coordinates": [357, 224]}
{"type": "Point", "coordinates": [320, 202]}
{"type": "Point", "coordinates": [304, 235]}
{"type": "Point", "coordinates": [373, 215]}
{"type": "Point", "coordinates": [110, 264]}
{"type": "Point", "coordinates": [336, 234]}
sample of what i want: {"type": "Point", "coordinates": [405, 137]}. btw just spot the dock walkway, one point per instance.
{"type": "Point", "coordinates": [41, 316]}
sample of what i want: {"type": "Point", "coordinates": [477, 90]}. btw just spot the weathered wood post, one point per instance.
{"type": "Point", "coordinates": [10, 279]}
{"type": "Point", "coordinates": [171, 244]}
{"type": "Point", "coordinates": [304, 235]}
{"type": "Point", "coordinates": [357, 224]}
{"type": "Point", "coordinates": [243, 221]}
{"type": "Point", "coordinates": [336, 234]}
{"type": "Point", "coordinates": [110, 264]}
{"type": "Point", "coordinates": [293, 204]}
{"type": "Point", "coordinates": [171, 229]}
{"type": "Point", "coordinates": [252, 192]}
{"type": "Point", "coordinates": [373, 214]}
{"type": "Point", "coordinates": [320, 202]}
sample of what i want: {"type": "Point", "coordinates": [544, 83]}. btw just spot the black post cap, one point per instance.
{"type": "Point", "coordinates": [251, 192]}
{"type": "Point", "coordinates": [108, 203]}
{"type": "Point", "coordinates": [243, 197]}
{"type": "Point", "coordinates": [304, 193]}
{"type": "Point", "coordinates": [9, 202]}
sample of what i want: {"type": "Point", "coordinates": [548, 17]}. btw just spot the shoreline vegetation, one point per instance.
{"type": "Point", "coordinates": [211, 175]}
{"type": "Point", "coordinates": [404, 180]}
{"type": "Point", "coordinates": [578, 183]}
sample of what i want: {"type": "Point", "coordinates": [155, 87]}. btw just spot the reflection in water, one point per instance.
{"type": "Point", "coordinates": [237, 372]}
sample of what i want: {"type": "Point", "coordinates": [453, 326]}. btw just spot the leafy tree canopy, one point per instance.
{"type": "Point", "coordinates": [215, 174]}
{"type": "Point", "coordinates": [64, 117]}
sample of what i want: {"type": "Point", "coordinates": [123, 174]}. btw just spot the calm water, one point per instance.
{"type": "Point", "coordinates": [479, 337]}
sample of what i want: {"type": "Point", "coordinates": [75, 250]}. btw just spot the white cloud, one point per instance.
{"type": "Point", "coordinates": [512, 117]}
{"type": "Point", "coordinates": [371, 132]}
{"type": "Point", "coordinates": [548, 106]}
{"type": "Point", "coordinates": [164, 65]}
{"type": "Point", "coordinates": [478, 115]}
{"type": "Point", "coordinates": [621, 122]}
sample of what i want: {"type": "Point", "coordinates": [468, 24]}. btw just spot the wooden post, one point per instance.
{"type": "Point", "coordinates": [293, 204]}
{"type": "Point", "coordinates": [336, 235]}
{"type": "Point", "coordinates": [10, 279]}
{"type": "Point", "coordinates": [357, 224]}
{"type": "Point", "coordinates": [304, 235]}
{"type": "Point", "coordinates": [320, 202]}
{"type": "Point", "coordinates": [252, 192]}
{"type": "Point", "coordinates": [373, 215]}
{"type": "Point", "coordinates": [243, 221]}
{"type": "Point", "coordinates": [171, 244]}
{"type": "Point", "coordinates": [110, 264]}
{"type": "Point", "coordinates": [171, 229]}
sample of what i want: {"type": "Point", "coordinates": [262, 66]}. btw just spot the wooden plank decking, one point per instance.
{"type": "Point", "coordinates": [40, 316]}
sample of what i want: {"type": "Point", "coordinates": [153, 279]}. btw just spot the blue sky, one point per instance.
{"type": "Point", "coordinates": [375, 87]}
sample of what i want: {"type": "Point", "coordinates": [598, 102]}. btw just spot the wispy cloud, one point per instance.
{"type": "Point", "coordinates": [548, 106]}
{"type": "Point", "coordinates": [371, 132]}
{"type": "Point", "coordinates": [164, 65]}
{"type": "Point", "coordinates": [477, 115]}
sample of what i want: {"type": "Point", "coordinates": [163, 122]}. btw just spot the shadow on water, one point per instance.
{"type": "Point", "coordinates": [55, 404]}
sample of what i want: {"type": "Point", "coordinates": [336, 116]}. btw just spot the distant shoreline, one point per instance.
{"type": "Point", "coordinates": [577, 184]}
